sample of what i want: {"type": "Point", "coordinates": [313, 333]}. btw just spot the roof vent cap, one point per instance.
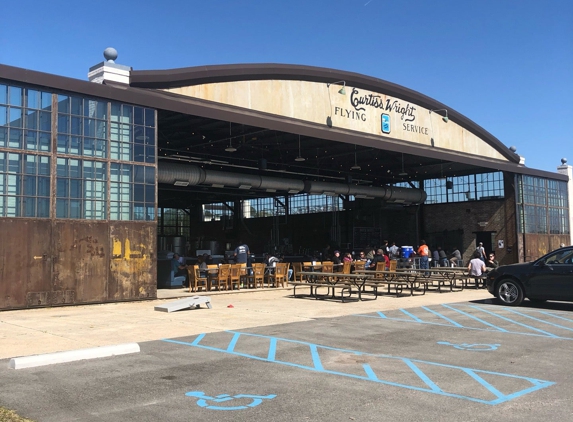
{"type": "Point", "coordinates": [110, 54]}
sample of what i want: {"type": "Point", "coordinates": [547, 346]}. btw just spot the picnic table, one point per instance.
{"type": "Point", "coordinates": [350, 283]}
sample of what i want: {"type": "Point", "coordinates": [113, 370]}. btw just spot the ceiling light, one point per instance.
{"type": "Point", "coordinates": [403, 172]}
{"type": "Point", "coordinates": [230, 148]}
{"type": "Point", "coordinates": [181, 183]}
{"type": "Point", "coordinates": [299, 158]}
{"type": "Point", "coordinates": [355, 166]}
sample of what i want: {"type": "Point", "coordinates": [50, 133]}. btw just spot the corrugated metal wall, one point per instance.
{"type": "Point", "coordinates": [47, 263]}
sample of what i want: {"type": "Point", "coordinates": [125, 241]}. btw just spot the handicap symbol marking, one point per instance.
{"type": "Point", "coordinates": [472, 347]}
{"type": "Point", "coordinates": [223, 398]}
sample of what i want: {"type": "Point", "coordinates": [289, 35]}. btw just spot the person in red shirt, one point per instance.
{"type": "Point", "coordinates": [423, 252]}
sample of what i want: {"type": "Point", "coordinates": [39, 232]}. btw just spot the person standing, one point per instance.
{"type": "Point", "coordinates": [386, 248]}
{"type": "Point", "coordinates": [394, 251]}
{"type": "Point", "coordinates": [242, 253]}
{"type": "Point", "coordinates": [481, 250]}
{"type": "Point", "coordinates": [423, 252]}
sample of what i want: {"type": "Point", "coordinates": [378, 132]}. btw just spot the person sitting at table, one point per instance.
{"type": "Point", "coordinates": [179, 269]}
{"type": "Point", "coordinates": [443, 257]}
{"type": "Point", "coordinates": [336, 259]}
{"type": "Point", "coordinates": [270, 260]}
{"type": "Point", "coordinates": [347, 257]}
{"type": "Point", "coordinates": [476, 267]}
{"type": "Point", "coordinates": [455, 257]}
{"type": "Point", "coordinates": [202, 262]}
{"type": "Point", "coordinates": [379, 257]}
{"type": "Point", "coordinates": [491, 262]}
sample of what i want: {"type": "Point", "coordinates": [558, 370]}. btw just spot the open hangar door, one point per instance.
{"type": "Point", "coordinates": [221, 182]}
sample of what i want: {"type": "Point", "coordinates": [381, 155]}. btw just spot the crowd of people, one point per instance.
{"type": "Point", "coordinates": [480, 263]}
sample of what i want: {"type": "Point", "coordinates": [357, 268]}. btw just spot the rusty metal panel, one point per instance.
{"type": "Point", "coordinates": [56, 298]}
{"type": "Point", "coordinates": [25, 260]}
{"type": "Point", "coordinates": [133, 264]}
{"type": "Point", "coordinates": [81, 257]}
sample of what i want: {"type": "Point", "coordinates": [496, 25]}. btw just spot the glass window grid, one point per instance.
{"type": "Point", "coordinates": [175, 222]}
{"type": "Point", "coordinates": [82, 126]}
{"type": "Point", "coordinates": [132, 192]}
{"type": "Point", "coordinates": [542, 206]}
{"type": "Point", "coordinates": [132, 133]}
{"type": "Point", "coordinates": [483, 186]}
{"type": "Point", "coordinates": [25, 118]}
{"type": "Point", "coordinates": [24, 185]}
{"type": "Point", "coordinates": [25, 123]}
{"type": "Point", "coordinates": [310, 204]}
{"type": "Point", "coordinates": [80, 189]}
{"type": "Point", "coordinates": [264, 207]}
{"type": "Point", "coordinates": [217, 211]}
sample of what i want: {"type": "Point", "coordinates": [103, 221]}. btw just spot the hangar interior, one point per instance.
{"type": "Point", "coordinates": [103, 178]}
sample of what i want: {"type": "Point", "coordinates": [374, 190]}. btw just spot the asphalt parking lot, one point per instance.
{"type": "Point", "coordinates": [465, 361]}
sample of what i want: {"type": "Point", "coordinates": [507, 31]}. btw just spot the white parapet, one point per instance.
{"type": "Point", "coordinates": [107, 71]}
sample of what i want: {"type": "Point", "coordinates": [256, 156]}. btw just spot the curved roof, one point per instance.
{"type": "Point", "coordinates": [190, 76]}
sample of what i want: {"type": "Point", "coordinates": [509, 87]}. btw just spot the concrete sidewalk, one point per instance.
{"type": "Point", "coordinates": [47, 330]}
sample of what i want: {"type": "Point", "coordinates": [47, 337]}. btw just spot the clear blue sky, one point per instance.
{"type": "Point", "coordinates": [505, 64]}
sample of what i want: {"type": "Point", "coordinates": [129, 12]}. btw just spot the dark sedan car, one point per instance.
{"type": "Point", "coordinates": [548, 278]}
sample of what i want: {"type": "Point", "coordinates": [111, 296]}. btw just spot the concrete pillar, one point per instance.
{"type": "Point", "coordinates": [568, 170]}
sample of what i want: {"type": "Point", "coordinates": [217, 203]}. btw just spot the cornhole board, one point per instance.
{"type": "Point", "coordinates": [187, 303]}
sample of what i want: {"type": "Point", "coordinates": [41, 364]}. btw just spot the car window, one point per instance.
{"type": "Point", "coordinates": [559, 258]}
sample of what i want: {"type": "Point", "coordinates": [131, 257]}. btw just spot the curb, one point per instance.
{"type": "Point", "coordinates": [72, 356]}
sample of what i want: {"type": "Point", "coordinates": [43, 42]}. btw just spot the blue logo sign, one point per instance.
{"type": "Point", "coordinates": [385, 123]}
{"type": "Point", "coordinates": [472, 347]}
{"type": "Point", "coordinates": [225, 398]}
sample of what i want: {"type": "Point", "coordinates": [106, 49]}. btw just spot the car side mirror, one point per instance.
{"type": "Point", "coordinates": [542, 264]}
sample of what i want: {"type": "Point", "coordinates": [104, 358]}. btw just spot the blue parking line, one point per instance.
{"type": "Point", "coordinates": [232, 343]}
{"type": "Point", "coordinates": [476, 318]}
{"type": "Point", "coordinates": [422, 376]}
{"type": "Point", "coordinates": [315, 357]}
{"type": "Point", "coordinates": [540, 320]}
{"type": "Point", "coordinates": [272, 349]}
{"type": "Point", "coordinates": [547, 333]}
{"type": "Point", "coordinates": [462, 326]}
{"type": "Point", "coordinates": [484, 383]}
{"type": "Point", "coordinates": [414, 317]}
{"type": "Point", "coordinates": [555, 316]}
{"type": "Point", "coordinates": [370, 374]}
{"type": "Point", "coordinates": [442, 316]}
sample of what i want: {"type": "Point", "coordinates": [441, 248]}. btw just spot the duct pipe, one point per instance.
{"type": "Point", "coordinates": [190, 175]}
{"type": "Point", "coordinates": [172, 172]}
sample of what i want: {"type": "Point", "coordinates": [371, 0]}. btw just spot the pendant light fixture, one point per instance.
{"type": "Point", "coordinates": [355, 166]}
{"type": "Point", "coordinates": [300, 158]}
{"type": "Point", "coordinates": [230, 148]}
{"type": "Point", "coordinates": [403, 172]}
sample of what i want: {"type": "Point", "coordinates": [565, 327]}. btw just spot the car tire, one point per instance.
{"type": "Point", "coordinates": [509, 292]}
